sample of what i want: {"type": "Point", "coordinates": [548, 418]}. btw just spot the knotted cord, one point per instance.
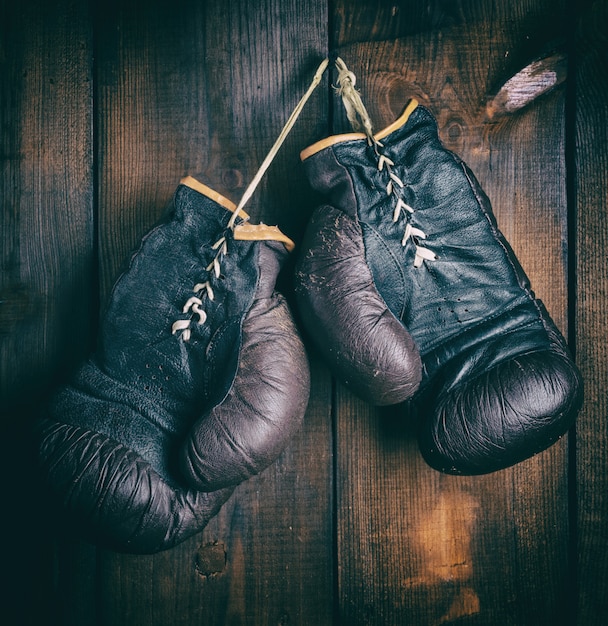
{"type": "Point", "coordinates": [360, 121]}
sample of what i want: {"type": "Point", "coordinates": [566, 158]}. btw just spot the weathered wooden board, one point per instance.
{"type": "Point", "coordinates": [590, 198]}
{"type": "Point", "coordinates": [204, 89]}
{"type": "Point", "coordinates": [104, 106]}
{"type": "Point", "coordinates": [47, 282]}
{"type": "Point", "coordinates": [415, 546]}
{"type": "Point", "coordinates": [47, 225]}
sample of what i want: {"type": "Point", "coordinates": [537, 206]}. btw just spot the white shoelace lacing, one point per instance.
{"type": "Point", "coordinates": [360, 121]}
{"type": "Point", "coordinates": [194, 303]}
{"type": "Point", "coordinates": [203, 289]}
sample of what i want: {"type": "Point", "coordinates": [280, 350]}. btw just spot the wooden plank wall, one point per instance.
{"type": "Point", "coordinates": [104, 106]}
{"type": "Point", "coordinates": [589, 145]}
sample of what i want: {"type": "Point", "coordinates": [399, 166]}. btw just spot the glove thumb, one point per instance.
{"type": "Point", "coordinates": [366, 346]}
{"type": "Point", "coordinates": [250, 427]}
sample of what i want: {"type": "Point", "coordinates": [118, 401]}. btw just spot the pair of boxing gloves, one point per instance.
{"type": "Point", "coordinates": [200, 378]}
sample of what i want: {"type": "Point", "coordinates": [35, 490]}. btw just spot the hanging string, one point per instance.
{"type": "Point", "coordinates": [277, 144]}
{"type": "Point", "coordinates": [360, 121]}
{"type": "Point", "coordinates": [193, 304]}
{"type": "Point", "coordinates": [355, 109]}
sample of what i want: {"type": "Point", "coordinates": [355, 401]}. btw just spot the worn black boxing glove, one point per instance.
{"type": "Point", "coordinates": [199, 381]}
{"type": "Point", "coordinates": [406, 218]}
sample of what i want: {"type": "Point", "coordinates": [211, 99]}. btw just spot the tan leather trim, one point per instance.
{"type": "Point", "coordinates": [191, 182]}
{"type": "Point", "coordinates": [262, 232]}
{"type": "Point", "coordinates": [329, 141]}
{"type": "Point", "coordinates": [335, 139]}
{"type": "Point", "coordinates": [400, 121]}
{"type": "Point", "coordinates": [244, 231]}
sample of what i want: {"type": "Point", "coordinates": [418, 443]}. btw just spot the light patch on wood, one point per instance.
{"type": "Point", "coordinates": [444, 536]}
{"type": "Point", "coordinates": [465, 603]}
{"type": "Point", "coordinates": [442, 539]}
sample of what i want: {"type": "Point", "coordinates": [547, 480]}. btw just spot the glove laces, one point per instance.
{"type": "Point", "coordinates": [204, 289]}
{"type": "Point", "coordinates": [361, 122]}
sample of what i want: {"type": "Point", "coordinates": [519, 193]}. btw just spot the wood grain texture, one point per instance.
{"type": "Point", "coordinates": [47, 225]}
{"type": "Point", "coordinates": [47, 281]}
{"type": "Point", "coordinates": [415, 546]}
{"type": "Point", "coordinates": [105, 106]}
{"type": "Point", "coordinates": [591, 202]}
{"type": "Point", "coordinates": [208, 98]}
{"type": "Point", "coordinates": [204, 89]}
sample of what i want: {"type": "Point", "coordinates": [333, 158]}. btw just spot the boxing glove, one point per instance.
{"type": "Point", "coordinates": [408, 238]}
{"type": "Point", "coordinates": [198, 382]}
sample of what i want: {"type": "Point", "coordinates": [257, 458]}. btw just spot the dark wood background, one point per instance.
{"type": "Point", "coordinates": [104, 106]}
